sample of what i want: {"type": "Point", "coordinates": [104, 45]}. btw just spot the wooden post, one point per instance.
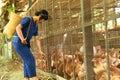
{"type": "Point", "coordinates": [88, 39]}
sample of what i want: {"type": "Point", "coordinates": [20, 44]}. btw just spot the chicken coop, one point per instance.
{"type": "Point", "coordinates": [81, 38]}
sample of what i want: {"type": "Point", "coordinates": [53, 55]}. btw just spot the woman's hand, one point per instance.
{"type": "Point", "coordinates": [24, 41]}
{"type": "Point", "coordinates": [42, 54]}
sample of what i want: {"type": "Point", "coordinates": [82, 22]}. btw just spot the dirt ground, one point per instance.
{"type": "Point", "coordinates": [13, 70]}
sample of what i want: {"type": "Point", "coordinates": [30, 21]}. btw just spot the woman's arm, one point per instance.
{"type": "Point", "coordinates": [38, 44]}
{"type": "Point", "coordinates": [20, 34]}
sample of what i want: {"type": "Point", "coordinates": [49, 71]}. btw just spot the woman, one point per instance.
{"type": "Point", "coordinates": [24, 31]}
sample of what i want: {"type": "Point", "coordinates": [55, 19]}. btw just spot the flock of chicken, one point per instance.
{"type": "Point", "coordinates": [65, 66]}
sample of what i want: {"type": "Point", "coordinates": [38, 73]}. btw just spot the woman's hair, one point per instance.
{"type": "Point", "coordinates": [42, 13]}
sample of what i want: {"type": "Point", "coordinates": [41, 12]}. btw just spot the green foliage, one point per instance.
{"type": "Point", "coordinates": [11, 9]}
{"type": "Point", "coordinates": [1, 45]}
{"type": "Point", "coordinates": [4, 40]}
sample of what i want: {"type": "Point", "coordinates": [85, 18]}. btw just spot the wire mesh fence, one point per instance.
{"type": "Point", "coordinates": [79, 34]}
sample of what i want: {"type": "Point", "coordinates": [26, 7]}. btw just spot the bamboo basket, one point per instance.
{"type": "Point", "coordinates": [10, 27]}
